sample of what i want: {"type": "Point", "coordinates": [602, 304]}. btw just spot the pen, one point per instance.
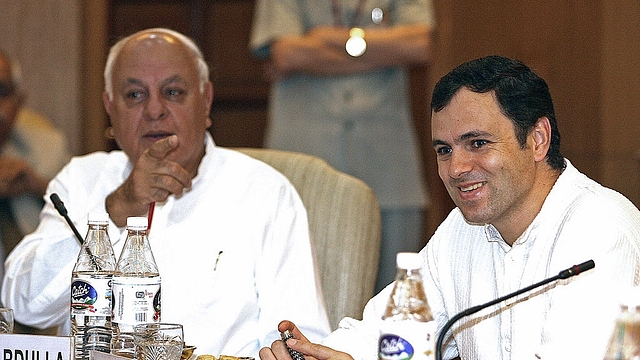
{"type": "Point", "coordinates": [215, 267]}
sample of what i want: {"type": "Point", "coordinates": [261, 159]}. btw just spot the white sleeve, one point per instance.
{"type": "Point", "coordinates": [286, 278]}
{"type": "Point", "coordinates": [38, 273]}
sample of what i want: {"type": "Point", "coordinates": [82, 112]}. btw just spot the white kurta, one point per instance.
{"type": "Point", "coordinates": [467, 265]}
{"type": "Point", "coordinates": [228, 251]}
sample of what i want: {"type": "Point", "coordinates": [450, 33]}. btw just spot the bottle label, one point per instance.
{"type": "Point", "coordinates": [135, 300]}
{"type": "Point", "coordinates": [91, 296]}
{"type": "Point", "coordinates": [403, 340]}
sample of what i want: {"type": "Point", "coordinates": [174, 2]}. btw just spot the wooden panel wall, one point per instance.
{"type": "Point", "coordinates": [620, 96]}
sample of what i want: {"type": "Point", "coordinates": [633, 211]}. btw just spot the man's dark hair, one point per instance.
{"type": "Point", "coordinates": [523, 96]}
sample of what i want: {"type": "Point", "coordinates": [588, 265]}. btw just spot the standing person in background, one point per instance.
{"type": "Point", "coordinates": [32, 151]}
{"type": "Point", "coordinates": [340, 91]}
{"type": "Point", "coordinates": [229, 233]}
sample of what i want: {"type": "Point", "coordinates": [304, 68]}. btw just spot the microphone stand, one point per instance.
{"type": "Point", "coordinates": [564, 274]}
{"type": "Point", "coordinates": [62, 210]}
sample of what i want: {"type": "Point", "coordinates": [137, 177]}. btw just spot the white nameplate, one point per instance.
{"type": "Point", "coordinates": [36, 347]}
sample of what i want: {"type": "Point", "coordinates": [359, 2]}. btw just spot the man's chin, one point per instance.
{"type": "Point", "coordinates": [473, 218]}
{"type": "Point", "coordinates": [471, 222]}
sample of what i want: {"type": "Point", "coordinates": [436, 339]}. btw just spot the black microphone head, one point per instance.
{"type": "Point", "coordinates": [587, 265]}
{"type": "Point", "coordinates": [59, 205]}
{"type": "Point", "coordinates": [577, 269]}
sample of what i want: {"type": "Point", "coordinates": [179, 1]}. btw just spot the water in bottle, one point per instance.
{"type": "Point", "coordinates": [407, 330]}
{"type": "Point", "coordinates": [91, 289]}
{"type": "Point", "coordinates": [135, 287]}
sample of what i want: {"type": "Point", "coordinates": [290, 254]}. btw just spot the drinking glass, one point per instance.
{"type": "Point", "coordinates": [6, 321]}
{"type": "Point", "coordinates": [158, 341]}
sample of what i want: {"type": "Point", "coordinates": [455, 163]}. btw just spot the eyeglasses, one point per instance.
{"type": "Point", "coordinates": [7, 89]}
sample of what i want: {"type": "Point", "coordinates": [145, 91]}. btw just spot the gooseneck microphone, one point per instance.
{"type": "Point", "coordinates": [62, 210]}
{"type": "Point", "coordinates": [564, 274]}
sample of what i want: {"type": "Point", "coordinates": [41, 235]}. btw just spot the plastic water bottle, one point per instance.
{"type": "Point", "coordinates": [135, 287]}
{"type": "Point", "coordinates": [407, 330]}
{"type": "Point", "coordinates": [91, 289]}
{"type": "Point", "coordinates": [624, 343]}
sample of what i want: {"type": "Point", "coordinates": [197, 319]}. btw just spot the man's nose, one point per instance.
{"type": "Point", "coordinates": [460, 163]}
{"type": "Point", "coordinates": [155, 107]}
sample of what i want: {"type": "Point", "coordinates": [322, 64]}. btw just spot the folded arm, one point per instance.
{"type": "Point", "coordinates": [322, 50]}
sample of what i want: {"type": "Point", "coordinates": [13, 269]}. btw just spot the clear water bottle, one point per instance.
{"type": "Point", "coordinates": [624, 343]}
{"type": "Point", "coordinates": [91, 289]}
{"type": "Point", "coordinates": [407, 328]}
{"type": "Point", "coordinates": [135, 287]}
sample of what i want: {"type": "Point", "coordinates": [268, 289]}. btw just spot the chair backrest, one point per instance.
{"type": "Point", "coordinates": [344, 220]}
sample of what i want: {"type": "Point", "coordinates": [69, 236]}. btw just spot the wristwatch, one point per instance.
{"type": "Point", "coordinates": [356, 45]}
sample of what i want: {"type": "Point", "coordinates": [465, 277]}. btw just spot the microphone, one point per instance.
{"type": "Point", "coordinates": [564, 274]}
{"type": "Point", "coordinates": [62, 210]}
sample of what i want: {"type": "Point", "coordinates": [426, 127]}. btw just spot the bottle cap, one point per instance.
{"type": "Point", "coordinates": [98, 217]}
{"type": "Point", "coordinates": [408, 260]}
{"type": "Point", "coordinates": [630, 297]}
{"type": "Point", "coordinates": [137, 222]}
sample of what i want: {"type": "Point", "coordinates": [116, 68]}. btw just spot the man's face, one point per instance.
{"type": "Point", "coordinates": [10, 101]}
{"type": "Point", "coordinates": [487, 174]}
{"type": "Point", "coordinates": [156, 94]}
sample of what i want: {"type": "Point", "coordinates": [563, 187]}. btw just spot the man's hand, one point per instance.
{"type": "Point", "coordinates": [152, 179]}
{"type": "Point", "coordinates": [299, 342]}
{"type": "Point", "coordinates": [17, 177]}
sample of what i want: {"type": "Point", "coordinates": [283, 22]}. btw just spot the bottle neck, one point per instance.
{"type": "Point", "coordinates": [98, 227]}
{"type": "Point", "coordinates": [408, 273]}
{"type": "Point", "coordinates": [137, 232]}
{"type": "Point", "coordinates": [630, 309]}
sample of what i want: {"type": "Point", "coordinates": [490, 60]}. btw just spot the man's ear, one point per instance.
{"type": "Point", "coordinates": [208, 94]}
{"type": "Point", "coordinates": [541, 135]}
{"type": "Point", "coordinates": [107, 103]}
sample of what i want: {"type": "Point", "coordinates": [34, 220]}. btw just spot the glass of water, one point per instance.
{"type": "Point", "coordinates": [158, 341]}
{"type": "Point", "coordinates": [6, 320]}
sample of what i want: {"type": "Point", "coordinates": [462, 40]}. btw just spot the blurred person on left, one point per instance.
{"type": "Point", "coordinates": [32, 151]}
{"type": "Point", "coordinates": [229, 233]}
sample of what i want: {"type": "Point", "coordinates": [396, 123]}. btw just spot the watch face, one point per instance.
{"type": "Point", "coordinates": [356, 45]}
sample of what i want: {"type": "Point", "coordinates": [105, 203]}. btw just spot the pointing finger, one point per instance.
{"type": "Point", "coordinates": [161, 148]}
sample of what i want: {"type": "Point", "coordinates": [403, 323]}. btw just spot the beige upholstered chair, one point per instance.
{"type": "Point", "coordinates": [344, 218]}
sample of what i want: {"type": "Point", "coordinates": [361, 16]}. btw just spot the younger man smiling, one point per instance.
{"type": "Point", "coordinates": [523, 214]}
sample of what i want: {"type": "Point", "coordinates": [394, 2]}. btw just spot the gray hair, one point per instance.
{"type": "Point", "coordinates": [203, 68]}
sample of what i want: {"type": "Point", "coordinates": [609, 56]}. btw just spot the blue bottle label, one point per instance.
{"type": "Point", "coordinates": [404, 340]}
{"type": "Point", "coordinates": [394, 347]}
{"type": "Point", "coordinates": [91, 296]}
